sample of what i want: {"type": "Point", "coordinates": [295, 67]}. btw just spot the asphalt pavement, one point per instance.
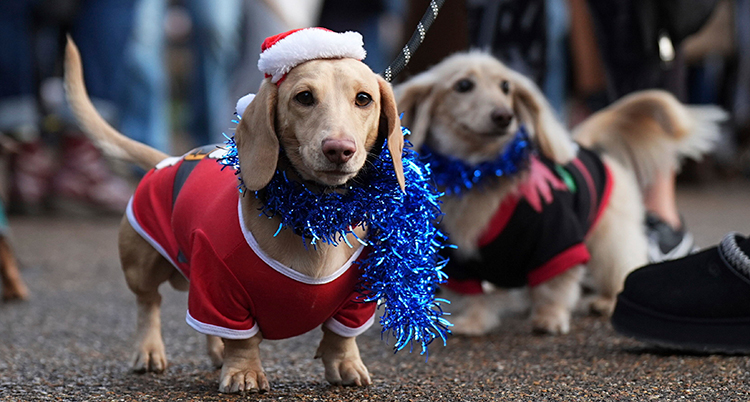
{"type": "Point", "coordinates": [72, 340]}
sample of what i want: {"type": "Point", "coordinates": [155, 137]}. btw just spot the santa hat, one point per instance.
{"type": "Point", "coordinates": [282, 52]}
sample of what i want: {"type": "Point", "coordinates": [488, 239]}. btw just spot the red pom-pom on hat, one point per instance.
{"type": "Point", "coordinates": [281, 53]}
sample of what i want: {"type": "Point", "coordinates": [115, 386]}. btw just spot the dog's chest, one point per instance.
{"type": "Point", "coordinates": [466, 217]}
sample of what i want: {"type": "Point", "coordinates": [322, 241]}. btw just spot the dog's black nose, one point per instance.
{"type": "Point", "coordinates": [502, 117]}
{"type": "Point", "coordinates": [339, 151]}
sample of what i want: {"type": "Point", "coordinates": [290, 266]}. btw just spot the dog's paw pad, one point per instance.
{"type": "Point", "coordinates": [150, 361]}
{"type": "Point", "coordinates": [550, 323]}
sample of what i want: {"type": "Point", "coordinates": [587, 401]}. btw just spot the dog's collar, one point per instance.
{"type": "Point", "coordinates": [455, 176]}
{"type": "Point", "coordinates": [403, 268]}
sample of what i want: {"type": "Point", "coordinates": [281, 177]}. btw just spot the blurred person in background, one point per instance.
{"type": "Point", "coordinates": [215, 45]}
{"type": "Point", "coordinates": [213, 32]}
{"type": "Point", "coordinates": [639, 48]}
{"type": "Point", "coordinates": [32, 105]}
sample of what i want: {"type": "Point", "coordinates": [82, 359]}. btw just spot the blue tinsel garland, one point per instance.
{"type": "Point", "coordinates": [403, 268]}
{"type": "Point", "coordinates": [455, 176]}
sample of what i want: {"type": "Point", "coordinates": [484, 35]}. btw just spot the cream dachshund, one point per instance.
{"type": "Point", "coordinates": [567, 207]}
{"type": "Point", "coordinates": [318, 125]}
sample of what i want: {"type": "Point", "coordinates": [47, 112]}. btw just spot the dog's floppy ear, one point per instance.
{"type": "Point", "coordinates": [415, 100]}
{"type": "Point", "coordinates": [257, 144]}
{"type": "Point", "coordinates": [532, 108]}
{"type": "Point", "coordinates": [390, 128]}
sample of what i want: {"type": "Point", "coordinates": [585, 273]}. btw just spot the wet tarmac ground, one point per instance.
{"type": "Point", "coordinates": [72, 340]}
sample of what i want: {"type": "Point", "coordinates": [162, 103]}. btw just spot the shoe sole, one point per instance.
{"type": "Point", "coordinates": [708, 336]}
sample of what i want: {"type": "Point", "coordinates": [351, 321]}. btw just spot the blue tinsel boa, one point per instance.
{"type": "Point", "coordinates": [455, 176]}
{"type": "Point", "coordinates": [403, 268]}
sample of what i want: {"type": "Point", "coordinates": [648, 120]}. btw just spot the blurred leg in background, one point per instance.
{"type": "Point", "coordinates": [145, 100]}
{"type": "Point", "coordinates": [216, 40]}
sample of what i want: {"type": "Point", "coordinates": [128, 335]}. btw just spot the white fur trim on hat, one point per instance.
{"type": "Point", "coordinates": [309, 44]}
{"type": "Point", "coordinates": [243, 102]}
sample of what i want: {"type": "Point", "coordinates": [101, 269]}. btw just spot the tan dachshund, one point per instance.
{"type": "Point", "coordinates": [326, 116]}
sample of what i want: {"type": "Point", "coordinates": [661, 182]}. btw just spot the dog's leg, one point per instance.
{"type": "Point", "coordinates": [242, 370]}
{"type": "Point", "coordinates": [215, 348]}
{"type": "Point", "coordinates": [214, 345]}
{"type": "Point", "coordinates": [13, 286]}
{"type": "Point", "coordinates": [553, 301]}
{"type": "Point", "coordinates": [145, 269]}
{"type": "Point", "coordinates": [618, 243]}
{"type": "Point", "coordinates": [478, 316]}
{"type": "Point", "coordinates": [341, 360]}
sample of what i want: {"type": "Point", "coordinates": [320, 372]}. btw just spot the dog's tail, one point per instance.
{"type": "Point", "coordinates": [111, 142]}
{"type": "Point", "coordinates": [651, 132]}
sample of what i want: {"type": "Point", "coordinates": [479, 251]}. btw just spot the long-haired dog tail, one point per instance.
{"type": "Point", "coordinates": [111, 142]}
{"type": "Point", "coordinates": [651, 132]}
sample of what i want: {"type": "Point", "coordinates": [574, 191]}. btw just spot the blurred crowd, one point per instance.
{"type": "Point", "coordinates": [168, 72]}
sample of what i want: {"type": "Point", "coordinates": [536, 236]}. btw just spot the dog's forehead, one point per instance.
{"type": "Point", "coordinates": [477, 65]}
{"type": "Point", "coordinates": [344, 73]}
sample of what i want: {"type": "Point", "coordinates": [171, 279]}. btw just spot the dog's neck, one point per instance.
{"type": "Point", "coordinates": [290, 249]}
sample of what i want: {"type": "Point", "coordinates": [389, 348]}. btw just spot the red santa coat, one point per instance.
{"type": "Point", "coordinates": [189, 210]}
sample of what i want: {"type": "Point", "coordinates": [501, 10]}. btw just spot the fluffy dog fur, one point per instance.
{"type": "Point", "coordinates": [469, 105]}
{"type": "Point", "coordinates": [277, 118]}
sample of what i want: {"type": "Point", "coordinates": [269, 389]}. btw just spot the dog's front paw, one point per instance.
{"type": "Point", "coordinates": [346, 372]}
{"type": "Point", "coordinates": [602, 305]}
{"type": "Point", "coordinates": [476, 322]}
{"type": "Point", "coordinates": [553, 321]}
{"type": "Point", "coordinates": [242, 370]}
{"type": "Point", "coordinates": [341, 360]}
{"type": "Point", "coordinates": [150, 357]}
{"type": "Point", "coordinates": [248, 379]}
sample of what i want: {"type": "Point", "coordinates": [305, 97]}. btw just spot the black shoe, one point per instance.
{"type": "Point", "coordinates": [699, 303]}
{"type": "Point", "coordinates": [665, 242]}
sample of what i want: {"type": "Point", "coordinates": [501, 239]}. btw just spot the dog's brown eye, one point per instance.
{"type": "Point", "coordinates": [363, 99]}
{"type": "Point", "coordinates": [505, 86]}
{"type": "Point", "coordinates": [305, 98]}
{"type": "Point", "coordinates": [464, 85]}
